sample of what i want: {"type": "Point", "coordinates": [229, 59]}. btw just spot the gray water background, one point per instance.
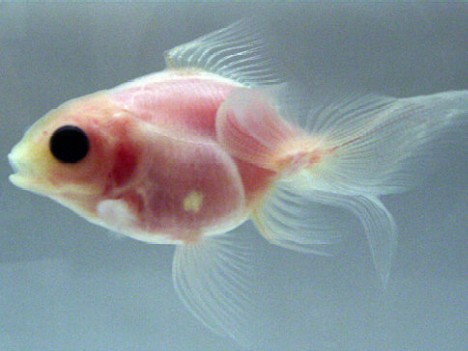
{"type": "Point", "coordinates": [68, 285]}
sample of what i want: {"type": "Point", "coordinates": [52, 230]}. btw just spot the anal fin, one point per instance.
{"type": "Point", "coordinates": [295, 217]}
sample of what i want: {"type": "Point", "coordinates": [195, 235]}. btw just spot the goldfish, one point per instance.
{"type": "Point", "coordinates": [187, 155]}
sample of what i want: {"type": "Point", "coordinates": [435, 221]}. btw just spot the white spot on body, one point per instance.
{"type": "Point", "coordinates": [193, 202]}
{"type": "Point", "coordinates": [116, 214]}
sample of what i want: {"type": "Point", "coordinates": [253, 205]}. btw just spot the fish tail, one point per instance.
{"type": "Point", "coordinates": [349, 154]}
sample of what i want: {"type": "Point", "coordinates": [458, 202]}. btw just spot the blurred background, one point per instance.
{"type": "Point", "coordinates": [68, 285]}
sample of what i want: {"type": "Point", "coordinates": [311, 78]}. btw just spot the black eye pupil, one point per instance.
{"type": "Point", "coordinates": [69, 144]}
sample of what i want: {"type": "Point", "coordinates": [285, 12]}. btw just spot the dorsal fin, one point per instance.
{"type": "Point", "coordinates": [236, 52]}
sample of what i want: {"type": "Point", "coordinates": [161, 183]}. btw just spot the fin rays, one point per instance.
{"type": "Point", "coordinates": [369, 146]}
{"type": "Point", "coordinates": [312, 221]}
{"type": "Point", "coordinates": [214, 280]}
{"type": "Point", "coordinates": [235, 52]}
{"type": "Point", "coordinates": [347, 154]}
{"type": "Point", "coordinates": [382, 144]}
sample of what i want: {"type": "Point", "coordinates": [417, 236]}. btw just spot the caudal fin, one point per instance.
{"type": "Point", "coordinates": [383, 145]}
{"type": "Point", "coordinates": [351, 153]}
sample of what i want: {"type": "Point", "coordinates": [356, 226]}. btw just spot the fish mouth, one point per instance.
{"type": "Point", "coordinates": [20, 174]}
{"type": "Point", "coordinates": [12, 163]}
{"type": "Point", "coordinates": [23, 176]}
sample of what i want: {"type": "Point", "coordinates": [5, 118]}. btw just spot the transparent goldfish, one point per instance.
{"type": "Point", "coordinates": [187, 155]}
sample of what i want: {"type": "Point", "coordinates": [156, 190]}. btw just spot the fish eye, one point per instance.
{"type": "Point", "coordinates": [69, 144]}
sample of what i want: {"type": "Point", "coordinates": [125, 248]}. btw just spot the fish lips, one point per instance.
{"type": "Point", "coordinates": [24, 176]}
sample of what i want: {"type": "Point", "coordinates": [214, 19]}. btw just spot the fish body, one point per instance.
{"type": "Point", "coordinates": [185, 156]}
{"type": "Point", "coordinates": [156, 170]}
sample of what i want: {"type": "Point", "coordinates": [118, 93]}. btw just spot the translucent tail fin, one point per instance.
{"type": "Point", "coordinates": [383, 145]}
{"type": "Point", "coordinates": [350, 153]}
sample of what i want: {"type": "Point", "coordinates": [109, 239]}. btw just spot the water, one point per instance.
{"type": "Point", "coordinates": [68, 285]}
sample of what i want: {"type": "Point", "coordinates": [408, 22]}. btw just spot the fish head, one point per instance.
{"type": "Point", "coordinates": [72, 153]}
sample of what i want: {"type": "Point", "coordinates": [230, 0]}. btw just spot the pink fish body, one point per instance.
{"type": "Point", "coordinates": [179, 183]}
{"type": "Point", "coordinates": [187, 155]}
